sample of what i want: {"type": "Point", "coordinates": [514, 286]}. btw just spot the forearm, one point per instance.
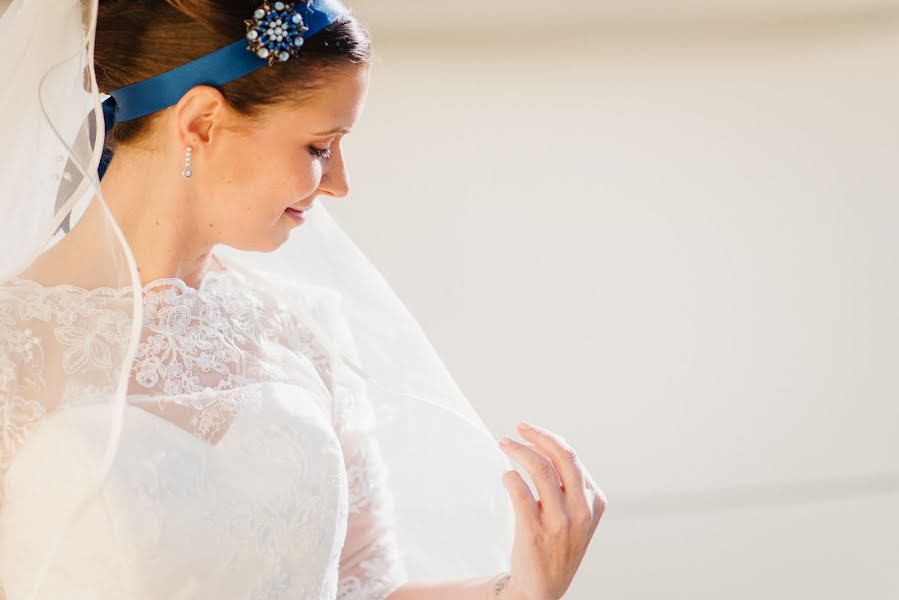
{"type": "Point", "coordinates": [495, 587]}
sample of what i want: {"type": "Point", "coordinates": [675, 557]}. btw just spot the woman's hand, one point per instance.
{"type": "Point", "coordinates": [552, 532]}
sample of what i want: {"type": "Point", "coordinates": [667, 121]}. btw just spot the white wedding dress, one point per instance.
{"type": "Point", "coordinates": [245, 469]}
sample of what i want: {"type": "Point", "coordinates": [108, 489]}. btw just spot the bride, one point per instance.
{"type": "Point", "coordinates": [177, 422]}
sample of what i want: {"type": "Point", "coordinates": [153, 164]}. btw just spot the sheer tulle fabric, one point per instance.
{"type": "Point", "coordinates": [234, 366]}
{"type": "Point", "coordinates": [277, 433]}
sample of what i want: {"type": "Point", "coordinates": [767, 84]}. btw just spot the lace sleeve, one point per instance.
{"type": "Point", "coordinates": [371, 566]}
{"type": "Point", "coordinates": [21, 375]}
{"type": "Point", "coordinates": [56, 345]}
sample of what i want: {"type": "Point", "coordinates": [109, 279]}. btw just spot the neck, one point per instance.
{"type": "Point", "coordinates": [154, 215]}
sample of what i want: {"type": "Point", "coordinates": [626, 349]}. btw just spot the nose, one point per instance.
{"type": "Point", "coordinates": [335, 180]}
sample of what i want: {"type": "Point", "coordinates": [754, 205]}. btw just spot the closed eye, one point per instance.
{"type": "Point", "coordinates": [324, 153]}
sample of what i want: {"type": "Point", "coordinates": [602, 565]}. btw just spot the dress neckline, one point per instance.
{"type": "Point", "coordinates": [210, 275]}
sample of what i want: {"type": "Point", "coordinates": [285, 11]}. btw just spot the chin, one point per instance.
{"type": "Point", "coordinates": [267, 243]}
{"type": "Point", "coordinates": [272, 244]}
{"type": "Point", "coordinates": [267, 239]}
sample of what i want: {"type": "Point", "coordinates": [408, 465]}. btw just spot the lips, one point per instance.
{"type": "Point", "coordinates": [297, 214]}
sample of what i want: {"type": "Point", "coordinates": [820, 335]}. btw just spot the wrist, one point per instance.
{"type": "Point", "coordinates": [501, 587]}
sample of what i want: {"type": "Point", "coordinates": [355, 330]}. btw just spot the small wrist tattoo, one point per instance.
{"type": "Point", "coordinates": [501, 583]}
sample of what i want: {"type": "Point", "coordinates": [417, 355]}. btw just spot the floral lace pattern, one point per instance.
{"type": "Point", "coordinates": [199, 361]}
{"type": "Point", "coordinates": [199, 341]}
{"type": "Point", "coordinates": [376, 576]}
{"type": "Point", "coordinates": [80, 326]}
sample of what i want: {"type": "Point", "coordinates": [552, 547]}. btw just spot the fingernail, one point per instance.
{"type": "Point", "coordinates": [503, 441]}
{"type": "Point", "coordinates": [525, 425]}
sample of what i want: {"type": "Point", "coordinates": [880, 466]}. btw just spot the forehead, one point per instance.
{"type": "Point", "coordinates": [337, 103]}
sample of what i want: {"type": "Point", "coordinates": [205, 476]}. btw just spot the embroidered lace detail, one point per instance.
{"type": "Point", "coordinates": [18, 418]}
{"type": "Point", "coordinates": [200, 340]}
{"type": "Point", "coordinates": [200, 354]}
{"type": "Point", "coordinates": [366, 473]}
{"type": "Point", "coordinates": [370, 562]}
{"type": "Point", "coordinates": [80, 327]}
{"type": "Point", "coordinates": [200, 349]}
{"type": "Point", "coordinates": [375, 576]}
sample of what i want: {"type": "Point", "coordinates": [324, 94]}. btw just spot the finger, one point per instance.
{"type": "Point", "coordinates": [544, 475]}
{"type": "Point", "coordinates": [564, 458]}
{"type": "Point", "coordinates": [600, 503]}
{"type": "Point", "coordinates": [523, 501]}
{"type": "Point", "coordinates": [599, 508]}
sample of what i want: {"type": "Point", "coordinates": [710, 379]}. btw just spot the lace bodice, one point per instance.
{"type": "Point", "coordinates": [246, 469]}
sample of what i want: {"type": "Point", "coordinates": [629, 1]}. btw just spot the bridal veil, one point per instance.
{"type": "Point", "coordinates": [454, 518]}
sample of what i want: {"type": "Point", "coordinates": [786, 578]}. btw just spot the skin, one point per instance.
{"type": "Point", "coordinates": [245, 174]}
{"type": "Point", "coordinates": [552, 532]}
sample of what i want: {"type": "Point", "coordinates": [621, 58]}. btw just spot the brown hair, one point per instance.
{"type": "Point", "coordinates": [137, 39]}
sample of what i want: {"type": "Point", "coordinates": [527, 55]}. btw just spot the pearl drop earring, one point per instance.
{"type": "Point", "coordinates": [187, 172]}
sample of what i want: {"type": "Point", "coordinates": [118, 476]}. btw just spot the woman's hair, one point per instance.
{"type": "Point", "coordinates": [137, 39]}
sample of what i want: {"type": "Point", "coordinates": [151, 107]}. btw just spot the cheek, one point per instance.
{"type": "Point", "coordinates": [256, 182]}
{"type": "Point", "coordinates": [287, 179]}
{"type": "Point", "coordinates": [235, 180]}
{"type": "Point", "coordinates": [262, 188]}
{"type": "Point", "coordinates": [251, 179]}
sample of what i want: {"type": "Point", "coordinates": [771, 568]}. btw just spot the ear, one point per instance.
{"type": "Point", "coordinates": [200, 114]}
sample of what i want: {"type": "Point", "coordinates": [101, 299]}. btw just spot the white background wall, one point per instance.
{"type": "Point", "coordinates": [677, 246]}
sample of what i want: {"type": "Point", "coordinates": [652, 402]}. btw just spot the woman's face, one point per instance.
{"type": "Point", "coordinates": [252, 178]}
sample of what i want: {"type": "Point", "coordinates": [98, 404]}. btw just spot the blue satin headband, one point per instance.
{"type": "Point", "coordinates": [275, 33]}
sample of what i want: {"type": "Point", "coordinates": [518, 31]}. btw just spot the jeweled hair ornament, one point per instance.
{"type": "Point", "coordinates": [275, 33]}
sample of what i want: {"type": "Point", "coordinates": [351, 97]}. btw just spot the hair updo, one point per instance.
{"type": "Point", "coordinates": [137, 39]}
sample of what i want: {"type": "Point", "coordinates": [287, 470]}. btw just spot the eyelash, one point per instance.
{"type": "Point", "coordinates": [320, 152]}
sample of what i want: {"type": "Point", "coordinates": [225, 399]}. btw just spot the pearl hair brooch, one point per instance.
{"type": "Point", "coordinates": [275, 32]}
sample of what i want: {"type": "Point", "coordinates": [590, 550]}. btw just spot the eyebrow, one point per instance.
{"type": "Point", "coordinates": [335, 130]}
